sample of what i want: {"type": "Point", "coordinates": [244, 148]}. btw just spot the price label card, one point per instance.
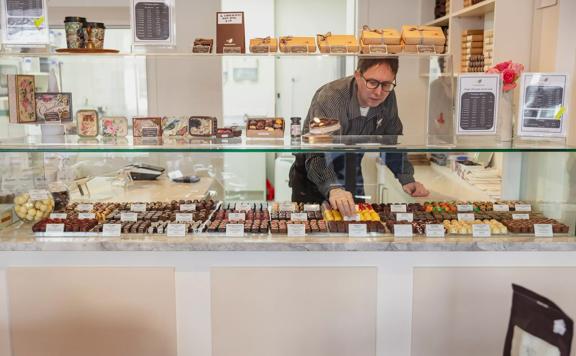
{"type": "Point", "coordinates": [139, 208]}
{"type": "Point", "coordinates": [296, 230]}
{"type": "Point", "coordinates": [175, 174]}
{"type": "Point", "coordinates": [465, 217]}
{"type": "Point", "coordinates": [111, 230]}
{"type": "Point", "coordinates": [355, 217]}
{"type": "Point", "coordinates": [523, 207]}
{"type": "Point", "coordinates": [287, 206]}
{"type": "Point", "coordinates": [184, 217]}
{"type": "Point", "coordinates": [234, 230]}
{"type": "Point", "coordinates": [83, 216]}
{"type": "Point", "coordinates": [176, 230]}
{"type": "Point", "coordinates": [243, 206]}
{"type": "Point", "coordinates": [481, 230]}
{"type": "Point", "coordinates": [398, 208]}
{"type": "Point", "coordinates": [501, 207]}
{"type": "Point", "coordinates": [299, 217]}
{"type": "Point", "coordinates": [405, 217]}
{"type": "Point", "coordinates": [477, 103]}
{"type": "Point", "coordinates": [153, 22]}
{"type": "Point", "coordinates": [357, 230]}
{"type": "Point", "coordinates": [237, 216]}
{"type": "Point", "coordinates": [543, 230]}
{"type": "Point", "coordinates": [520, 216]}
{"type": "Point", "coordinates": [311, 207]}
{"type": "Point", "coordinates": [84, 207]}
{"type": "Point", "coordinates": [402, 230]}
{"type": "Point", "coordinates": [128, 217]}
{"type": "Point", "coordinates": [58, 216]}
{"type": "Point", "coordinates": [187, 207]}
{"type": "Point", "coordinates": [435, 230]}
{"type": "Point", "coordinates": [38, 194]}
{"type": "Point", "coordinates": [54, 229]}
{"type": "Point", "coordinates": [465, 207]}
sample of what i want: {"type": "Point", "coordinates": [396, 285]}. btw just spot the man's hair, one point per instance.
{"type": "Point", "coordinates": [366, 63]}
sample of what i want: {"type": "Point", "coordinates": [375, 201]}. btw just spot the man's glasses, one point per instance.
{"type": "Point", "coordinates": [373, 84]}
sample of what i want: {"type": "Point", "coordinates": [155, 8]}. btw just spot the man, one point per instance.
{"type": "Point", "coordinates": [365, 104]}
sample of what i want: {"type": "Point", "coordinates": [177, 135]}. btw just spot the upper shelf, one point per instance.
{"type": "Point", "coordinates": [339, 144]}
{"type": "Point", "coordinates": [479, 9]}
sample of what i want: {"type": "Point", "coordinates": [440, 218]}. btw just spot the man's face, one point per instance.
{"type": "Point", "coordinates": [373, 97]}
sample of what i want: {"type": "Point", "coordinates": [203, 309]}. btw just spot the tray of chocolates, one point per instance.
{"type": "Point", "coordinates": [265, 128]}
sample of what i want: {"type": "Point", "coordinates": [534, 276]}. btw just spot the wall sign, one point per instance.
{"type": "Point", "coordinates": [153, 22]}
{"type": "Point", "coordinates": [477, 104]}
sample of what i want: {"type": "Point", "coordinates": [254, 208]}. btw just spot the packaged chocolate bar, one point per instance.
{"type": "Point", "coordinates": [263, 45]}
{"type": "Point", "coordinates": [423, 35]}
{"type": "Point", "coordinates": [329, 43]}
{"type": "Point", "coordinates": [147, 126]}
{"type": "Point", "coordinates": [265, 128]}
{"type": "Point", "coordinates": [203, 45]}
{"type": "Point", "coordinates": [230, 36]}
{"type": "Point", "coordinates": [174, 127]}
{"type": "Point", "coordinates": [21, 98]}
{"type": "Point", "coordinates": [54, 107]}
{"type": "Point", "coordinates": [202, 126]}
{"type": "Point", "coordinates": [229, 132]}
{"type": "Point", "coordinates": [289, 44]}
{"type": "Point", "coordinates": [87, 122]}
{"type": "Point", "coordinates": [116, 126]}
{"type": "Point", "coordinates": [380, 36]}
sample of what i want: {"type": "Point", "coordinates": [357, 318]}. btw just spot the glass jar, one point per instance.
{"type": "Point", "coordinates": [295, 127]}
{"type": "Point", "coordinates": [34, 205]}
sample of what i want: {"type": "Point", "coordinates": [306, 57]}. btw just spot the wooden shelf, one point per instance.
{"type": "Point", "coordinates": [441, 21]}
{"type": "Point", "coordinates": [479, 9]}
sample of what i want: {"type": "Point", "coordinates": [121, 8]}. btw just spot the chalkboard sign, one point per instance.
{"type": "Point", "coordinates": [477, 103]}
{"type": "Point", "coordinates": [152, 22]}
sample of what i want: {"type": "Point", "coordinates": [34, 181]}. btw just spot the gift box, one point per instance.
{"type": "Point", "coordinates": [472, 32]}
{"type": "Point", "coordinates": [230, 37]}
{"type": "Point", "coordinates": [54, 107]}
{"type": "Point", "coordinates": [476, 44]}
{"type": "Point", "coordinates": [329, 43]}
{"type": "Point", "coordinates": [472, 50]}
{"type": "Point", "coordinates": [115, 126]}
{"type": "Point", "coordinates": [381, 48]}
{"type": "Point", "coordinates": [202, 126]}
{"type": "Point", "coordinates": [291, 44]}
{"type": "Point", "coordinates": [22, 98]}
{"type": "Point", "coordinates": [203, 45]}
{"type": "Point", "coordinates": [147, 127]}
{"type": "Point", "coordinates": [473, 38]}
{"type": "Point", "coordinates": [379, 36]}
{"type": "Point", "coordinates": [263, 45]}
{"type": "Point", "coordinates": [87, 121]}
{"type": "Point", "coordinates": [265, 128]}
{"type": "Point", "coordinates": [423, 35]}
{"type": "Point", "coordinates": [174, 127]}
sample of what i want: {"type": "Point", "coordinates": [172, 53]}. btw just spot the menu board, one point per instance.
{"type": "Point", "coordinates": [153, 22]}
{"type": "Point", "coordinates": [477, 103]}
{"type": "Point", "coordinates": [542, 110]}
{"type": "Point", "coordinates": [24, 22]}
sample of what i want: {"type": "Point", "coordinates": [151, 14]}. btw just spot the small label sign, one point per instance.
{"type": "Point", "coordinates": [465, 207]}
{"type": "Point", "coordinates": [296, 230]}
{"type": "Point", "coordinates": [311, 207]}
{"type": "Point", "coordinates": [501, 207]}
{"type": "Point", "coordinates": [481, 230]}
{"type": "Point", "coordinates": [520, 216]}
{"type": "Point", "coordinates": [175, 174]}
{"type": "Point", "coordinates": [402, 230]}
{"type": "Point", "coordinates": [184, 217]}
{"type": "Point", "coordinates": [54, 229]}
{"type": "Point", "coordinates": [523, 207]}
{"type": "Point", "coordinates": [139, 208]}
{"type": "Point", "coordinates": [299, 217]}
{"type": "Point", "coordinates": [543, 230]}
{"type": "Point", "coordinates": [405, 217]}
{"type": "Point", "coordinates": [176, 230]}
{"type": "Point", "coordinates": [398, 208]}
{"type": "Point", "coordinates": [287, 206]}
{"type": "Point", "coordinates": [234, 230]}
{"type": "Point", "coordinates": [435, 230]}
{"type": "Point", "coordinates": [111, 230]}
{"type": "Point", "coordinates": [38, 194]}
{"type": "Point", "coordinates": [187, 207]}
{"type": "Point", "coordinates": [237, 216]}
{"type": "Point", "coordinates": [465, 217]}
{"type": "Point", "coordinates": [128, 217]}
{"type": "Point", "coordinates": [84, 207]}
{"type": "Point", "coordinates": [84, 216]}
{"type": "Point", "coordinates": [357, 230]}
{"type": "Point", "coordinates": [243, 206]}
{"type": "Point", "coordinates": [58, 216]}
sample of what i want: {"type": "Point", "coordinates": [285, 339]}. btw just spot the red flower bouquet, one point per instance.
{"type": "Point", "coordinates": [509, 71]}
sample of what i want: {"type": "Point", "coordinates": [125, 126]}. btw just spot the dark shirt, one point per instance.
{"type": "Point", "coordinates": [325, 171]}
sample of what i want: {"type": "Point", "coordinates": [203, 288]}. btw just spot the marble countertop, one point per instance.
{"type": "Point", "coordinates": [284, 243]}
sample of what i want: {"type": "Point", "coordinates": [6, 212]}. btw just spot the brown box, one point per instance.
{"type": "Point", "coordinates": [472, 51]}
{"type": "Point", "coordinates": [424, 49]}
{"type": "Point", "coordinates": [22, 98]}
{"type": "Point", "coordinates": [203, 45]}
{"type": "Point", "coordinates": [471, 38]}
{"type": "Point", "coordinates": [472, 32]}
{"type": "Point", "coordinates": [330, 43]}
{"type": "Point", "coordinates": [423, 35]}
{"type": "Point", "coordinates": [475, 44]}
{"type": "Point", "coordinates": [147, 127]}
{"type": "Point", "coordinates": [202, 126]}
{"type": "Point", "coordinates": [379, 36]}
{"type": "Point", "coordinates": [265, 128]}
{"type": "Point", "coordinates": [263, 45]}
{"type": "Point", "coordinates": [289, 44]}
{"type": "Point", "coordinates": [381, 48]}
{"type": "Point", "coordinates": [230, 36]}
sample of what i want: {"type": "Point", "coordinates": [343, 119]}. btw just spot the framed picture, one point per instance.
{"type": "Point", "coordinates": [54, 107]}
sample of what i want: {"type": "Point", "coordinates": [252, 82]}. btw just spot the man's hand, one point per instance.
{"type": "Point", "coordinates": [416, 189]}
{"type": "Point", "coordinates": [343, 201]}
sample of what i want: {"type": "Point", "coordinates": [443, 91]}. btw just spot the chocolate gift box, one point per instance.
{"type": "Point", "coordinates": [116, 126]}
{"type": "Point", "coordinates": [22, 98]}
{"type": "Point", "coordinates": [329, 43]}
{"type": "Point", "coordinates": [230, 37]}
{"type": "Point", "coordinates": [202, 126]}
{"type": "Point", "coordinates": [147, 126]}
{"type": "Point", "coordinates": [174, 127]}
{"type": "Point", "coordinates": [289, 44]}
{"type": "Point", "coordinates": [54, 107]}
{"type": "Point", "coordinates": [203, 45]}
{"type": "Point", "coordinates": [265, 128]}
{"type": "Point", "coordinates": [380, 36]}
{"type": "Point", "coordinates": [87, 121]}
{"type": "Point", "coordinates": [423, 35]}
{"type": "Point", "coordinates": [263, 45]}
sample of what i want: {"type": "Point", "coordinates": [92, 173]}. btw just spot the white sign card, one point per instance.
{"type": "Point", "coordinates": [311, 207]}
{"type": "Point", "coordinates": [111, 230]}
{"type": "Point", "coordinates": [542, 107]}
{"type": "Point", "coordinates": [398, 208]}
{"type": "Point", "coordinates": [25, 22]}
{"type": "Point", "coordinates": [176, 230]}
{"type": "Point", "coordinates": [140, 208]}
{"type": "Point", "coordinates": [54, 229]}
{"type": "Point", "coordinates": [175, 174]}
{"type": "Point", "coordinates": [237, 216]}
{"type": "Point", "coordinates": [402, 230]}
{"type": "Point", "coordinates": [501, 207]}
{"type": "Point", "coordinates": [187, 207]}
{"type": "Point", "coordinates": [184, 217]}
{"type": "Point", "coordinates": [465, 207]}
{"type": "Point", "coordinates": [435, 230]}
{"type": "Point", "coordinates": [405, 217]}
{"type": "Point", "coordinates": [523, 207]}
{"type": "Point", "coordinates": [296, 230]}
{"type": "Point", "coordinates": [481, 230]}
{"type": "Point", "coordinates": [477, 104]}
{"type": "Point", "coordinates": [128, 217]}
{"type": "Point", "coordinates": [234, 230]}
{"type": "Point", "coordinates": [465, 217]}
{"type": "Point", "coordinates": [58, 216]}
{"type": "Point", "coordinates": [520, 216]}
{"type": "Point", "coordinates": [543, 230]}
{"type": "Point", "coordinates": [299, 217]}
{"type": "Point", "coordinates": [153, 22]}
{"type": "Point", "coordinates": [357, 230]}
{"type": "Point", "coordinates": [86, 216]}
{"type": "Point", "coordinates": [84, 207]}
